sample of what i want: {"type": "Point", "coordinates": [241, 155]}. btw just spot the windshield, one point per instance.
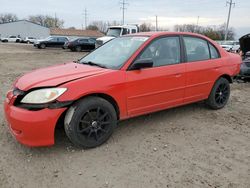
{"type": "Point", "coordinates": [115, 53]}
{"type": "Point", "coordinates": [114, 32]}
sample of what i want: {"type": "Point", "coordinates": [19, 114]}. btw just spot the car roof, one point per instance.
{"type": "Point", "coordinates": [163, 33]}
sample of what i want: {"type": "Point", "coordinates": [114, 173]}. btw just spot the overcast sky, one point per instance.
{"type": "Point", "coordinates": [170, 12]}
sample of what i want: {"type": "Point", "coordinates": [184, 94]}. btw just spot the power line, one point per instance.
{"type": "Point", "coordinates": [123, 4]}
{"type": "Point", "coordinates": [228, 17]}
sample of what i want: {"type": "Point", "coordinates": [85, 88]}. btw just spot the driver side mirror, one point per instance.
{"type": "Point", "coordinates": [141, 64]}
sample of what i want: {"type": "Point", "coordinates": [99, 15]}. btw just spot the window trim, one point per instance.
{"type": "Point", "coordinates": [185, 51]}
{"type": "Point", "coordinates": [182, 59]}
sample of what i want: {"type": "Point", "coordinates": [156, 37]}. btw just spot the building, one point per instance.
{"type": "Point", "coordinates": [75, 33]}
{"type": "Point", "coordinates": [24, 28]}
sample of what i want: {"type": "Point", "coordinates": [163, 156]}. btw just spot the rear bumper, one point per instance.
{"type": "Point", "coordinates": [32, 128]}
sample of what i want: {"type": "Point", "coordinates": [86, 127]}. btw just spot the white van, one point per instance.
{"type": "Point", "coordinates": [116, 31]}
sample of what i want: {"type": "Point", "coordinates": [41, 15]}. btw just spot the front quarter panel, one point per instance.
{"type": "Point", "coordinates": [111, 83]}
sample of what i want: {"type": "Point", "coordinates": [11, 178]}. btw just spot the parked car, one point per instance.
{"type": "Point", "coordinates": [230, 46]}
{"type": "Point", "coordinates": [56, 42]}
{"type": "Point", "coordinates": [245, 66]}
{"type": "Point", "coordinates": [29, 40]}
{"type": "Point", "coordinates": [80, 44]}
{"type": "Point", "coordinates": [126, 77]}
{"type": "Point", "coordinates": [11, 38]}
{"type": "Point", "coordinates": [116, 31]}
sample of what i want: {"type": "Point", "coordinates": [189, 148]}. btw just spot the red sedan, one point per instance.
{"type": "Point", "coordinates": [128, 76]}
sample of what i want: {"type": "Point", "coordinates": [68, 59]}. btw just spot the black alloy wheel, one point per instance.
{"type": "Point", "coordinates": [90, 122]}
{"type": "Point", "coordinates": [219, 94]}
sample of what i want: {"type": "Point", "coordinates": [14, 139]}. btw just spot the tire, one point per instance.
{"type": "Point", "coordinates": [42, 46]}
{"type": "Point", "coordinates": [219, 95]}
{"type": "Point", "coordinates": [90, 122]}
{"type": "Point", "coordinates": [78, 48]}
{"type": "Point", "coordinates": [17, 40]}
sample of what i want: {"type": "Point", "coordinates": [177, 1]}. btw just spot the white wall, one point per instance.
{"type": "Point", "coordinates": [24, 29]}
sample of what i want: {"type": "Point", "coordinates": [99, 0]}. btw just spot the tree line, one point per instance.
{"type": "Point", "coordinates": [213, 32]}
{"type": "Point", "coordinates": [43, 20]}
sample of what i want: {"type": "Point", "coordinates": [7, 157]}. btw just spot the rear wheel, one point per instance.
{"type": "Point", "coordinates": [219, 95]}
{"type": "Point", "coordinates": [90, 122]}
{"type": "Point", "coordinates": [78, 48]}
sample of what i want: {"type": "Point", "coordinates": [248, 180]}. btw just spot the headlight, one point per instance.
{"type": "Point", "coordinates": [42, 96]}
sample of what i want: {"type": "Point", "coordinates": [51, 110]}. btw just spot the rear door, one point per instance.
{"type": "Point", "coordinates": [203, 61]}
{"type": "Point", "coordinates": [52, 42]}
{"type": "Point", "coordinates": [161, 86]}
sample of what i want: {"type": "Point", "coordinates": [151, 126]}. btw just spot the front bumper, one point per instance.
{"type": "Point", "coordinates": [32, 128]}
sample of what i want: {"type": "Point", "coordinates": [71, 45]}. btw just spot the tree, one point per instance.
{"type": "Point", "coordinates": [101, 25]}
{"type": "Point", "coordinates": [145, 27]}
{"type": "Point", "coordinates": [47, 21]}
{"type": "Point", "coordinates": [213, 32]}
{"type": "Point", "coordinates": [8, 17]}
{"type": "Point", "coordinates": [92, 27]}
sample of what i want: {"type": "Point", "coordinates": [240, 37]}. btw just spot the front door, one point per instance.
{"type": "Point", "coordinates": [161, 86]}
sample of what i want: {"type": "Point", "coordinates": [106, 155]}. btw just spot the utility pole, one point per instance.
{"type": "Point", "coordinates": [85, 14]}
{"type": "Point", "coordinates": [197, 24]}
{"type": "Point", "coordinates": [123, 4]}
{"type": "Point", "coordinates": [228, 17]}
{"type": "Point", "coordinates": [156, 23]}
{"type": "Point", "coordinates": [55, 22]}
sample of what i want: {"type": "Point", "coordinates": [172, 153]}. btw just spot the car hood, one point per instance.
{"type": "Point", "coordinates": [105, 38]}
{"type": "Point", "coordinates": [56, 75]}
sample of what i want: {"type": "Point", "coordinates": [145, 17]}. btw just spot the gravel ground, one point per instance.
{"type": "Point", "coordinates": [189, 146]}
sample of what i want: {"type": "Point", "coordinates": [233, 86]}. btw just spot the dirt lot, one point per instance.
{"type": "Point", "coordinates": [190, 146]}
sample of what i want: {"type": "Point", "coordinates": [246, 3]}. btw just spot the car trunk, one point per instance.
{"type": "Point", "coordinates": [245, 43]}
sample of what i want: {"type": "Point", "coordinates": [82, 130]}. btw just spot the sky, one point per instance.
{"type": "Point", "coordinates": [169, 12]}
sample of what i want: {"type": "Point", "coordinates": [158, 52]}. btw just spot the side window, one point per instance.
{"type": "Point", "coordinates": [125, 31]}
{"type": "Point", "coordinates": [61, 39]}
{"type": "Point", "coordinates": [133, 30]}
{"type": "Point", "coordinates": [83, 41]}
{"type": "Point", "coordinates": [196, 49]}
{"type": "Point", "coordinates": [12, 37]}
{"type": "Point", "coordinates": [214, 52]}
{"type": "Point", "coordinates": [53, 39]}
{"type": "Point", "coordinates": [163, 51]}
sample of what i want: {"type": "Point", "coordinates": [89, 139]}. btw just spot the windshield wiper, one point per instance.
{"type": "Point", "coordinates": [93, 64]}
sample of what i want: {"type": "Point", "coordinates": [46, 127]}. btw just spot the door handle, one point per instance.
{"type": "Point", "coordinates": [178, 75]}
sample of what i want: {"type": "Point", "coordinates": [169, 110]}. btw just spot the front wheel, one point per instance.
{"type": "Point", "coordinates": [219, 95]}
{"type": "Point", "coordinates": [90, 122]}
{"type": "Point", "coordinates": [42, 46]}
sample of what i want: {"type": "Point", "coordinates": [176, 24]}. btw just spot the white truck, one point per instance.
{"type": "Point", "coordinates": [116, 31]}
